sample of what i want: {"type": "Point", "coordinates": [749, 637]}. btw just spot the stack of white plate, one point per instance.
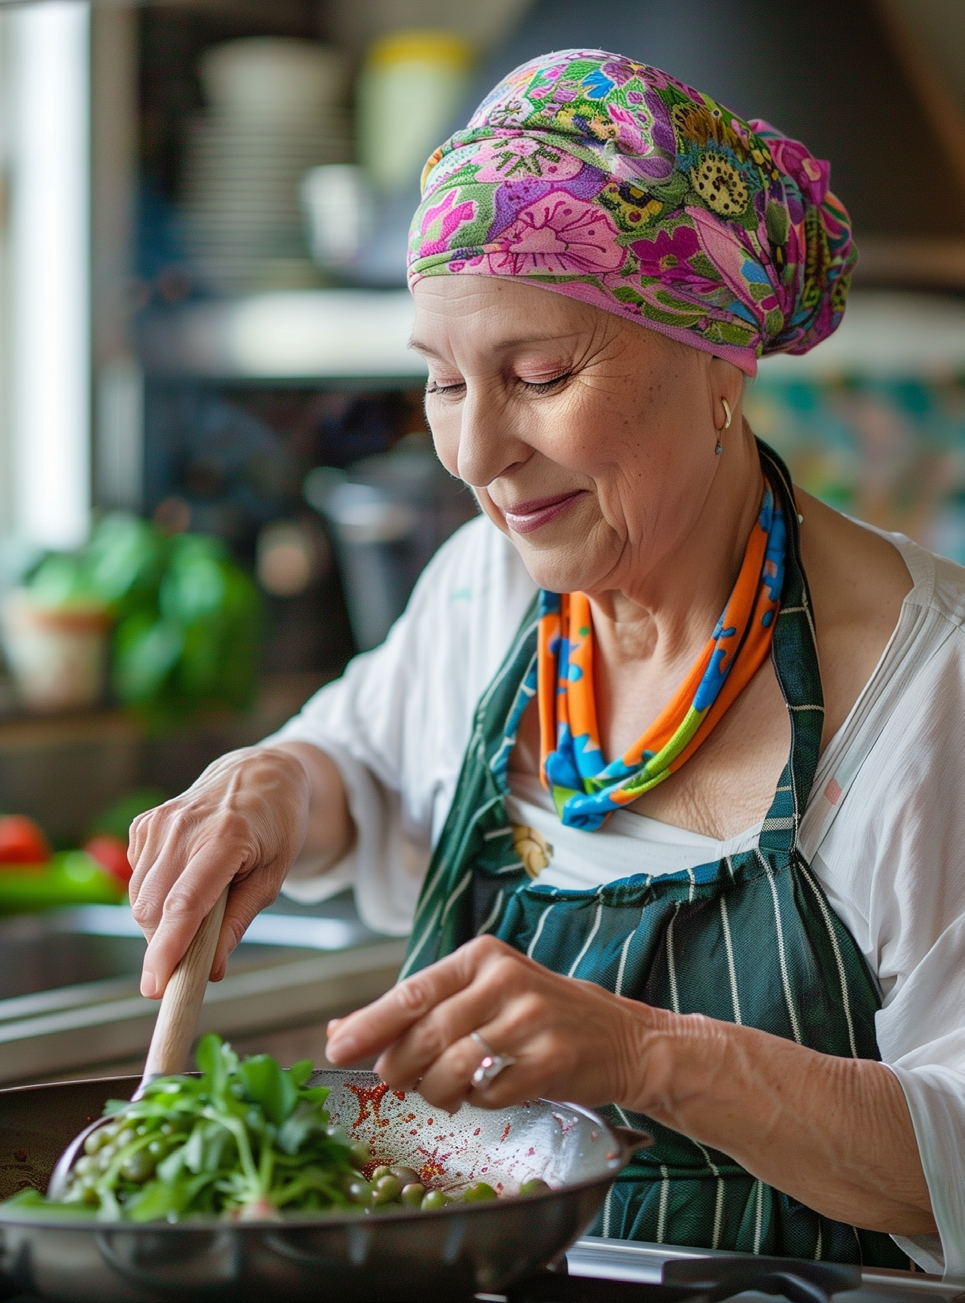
{"type": "Point", "coordinates": [274, 113]}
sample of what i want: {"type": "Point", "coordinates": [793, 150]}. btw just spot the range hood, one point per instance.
{"type": "Point", "coordinates": [840, 75]}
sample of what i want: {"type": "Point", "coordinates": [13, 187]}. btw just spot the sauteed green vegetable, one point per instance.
{"type": "Point", "coordinates": [245, 1140]}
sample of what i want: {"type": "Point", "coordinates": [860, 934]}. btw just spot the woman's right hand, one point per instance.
{"type": "Point", "coordinates": [244, 822]}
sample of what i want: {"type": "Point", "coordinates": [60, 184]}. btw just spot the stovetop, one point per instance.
{"type": "Point", "coordinates": [617, 1271]}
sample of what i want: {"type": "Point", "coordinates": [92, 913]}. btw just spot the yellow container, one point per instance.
{"type": "Point", "coordinates": [410, 88]}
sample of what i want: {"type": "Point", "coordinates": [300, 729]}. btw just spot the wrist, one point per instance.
{"type": "Point", "coordinates": [673, 1060]}
{"type": "Point", "coordinates": [289, 758]}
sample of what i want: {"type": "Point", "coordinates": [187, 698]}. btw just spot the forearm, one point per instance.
{"type": "Point", "coordinates": [834, 1133]}
{"type": "Point", "coordinates": [330, 834]}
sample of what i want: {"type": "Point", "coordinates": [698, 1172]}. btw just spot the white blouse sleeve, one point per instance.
{"type": "Point", "coordinates": [893, 866]}
{"type": "Point", "coordinates": [398, 721]}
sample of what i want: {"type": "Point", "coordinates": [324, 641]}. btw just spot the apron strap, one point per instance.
{"type": "Point", "coordinates": [794, 653]}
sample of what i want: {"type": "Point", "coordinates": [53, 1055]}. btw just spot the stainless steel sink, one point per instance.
{"type": "Point", "coordinates": [69, 981]}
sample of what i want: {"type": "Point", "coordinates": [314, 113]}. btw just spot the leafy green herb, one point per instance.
{"type": "Point", "coordinates": [243, 1139]}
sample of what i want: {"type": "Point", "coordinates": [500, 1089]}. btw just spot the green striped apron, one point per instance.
{"type": "Point", "coordinates": [751, 939]}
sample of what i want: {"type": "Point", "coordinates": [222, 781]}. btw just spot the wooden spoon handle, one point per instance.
{"type": "Point", "coordinates": [177, 1019]}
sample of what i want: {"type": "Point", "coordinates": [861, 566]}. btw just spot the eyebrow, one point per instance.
{"type": "Point", "coordinates": [501, 347]}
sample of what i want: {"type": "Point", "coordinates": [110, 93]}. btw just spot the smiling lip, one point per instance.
{"type": "Point", "coordinates": [527, 516]}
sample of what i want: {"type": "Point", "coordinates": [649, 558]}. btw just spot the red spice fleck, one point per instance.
{"type": "Point", "coordinates": [413, 1132]}
{"type": "Point", "coordinates": [20, 1155]}
{"type": "Point", "coordinates": [370, 1097]}
{"type": "Point", "coordinates": [410, 1117]}
{"type": "Point", "coordinates": [429, 1170]}
{"type": "Point", "coordinates": [430, 1122]}
{"type": "Point", "coordinates": [477, 1131]}
{"type": "Point", "coordinates": [506, 1130]}
{"type": "Point", "coordinates": [399, 1094]}
{"type": "Point", "coordinates": [530, 1152]}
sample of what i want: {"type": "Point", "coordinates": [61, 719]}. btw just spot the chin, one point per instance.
{"type": "Point", "coordinates": [557, 574]}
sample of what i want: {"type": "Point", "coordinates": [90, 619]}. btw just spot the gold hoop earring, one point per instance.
{"type": "Point", "coordinates": [727, 412]}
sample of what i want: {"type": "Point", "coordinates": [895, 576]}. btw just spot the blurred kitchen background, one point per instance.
{"type": "Point", "coordinates": [216, 482]}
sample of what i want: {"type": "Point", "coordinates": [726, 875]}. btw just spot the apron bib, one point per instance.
{"type": "Point", "coordinates": [751, 939]}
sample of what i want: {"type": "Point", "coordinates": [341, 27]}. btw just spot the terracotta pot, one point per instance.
{"type": "Point", "coordinates": [58, 655]}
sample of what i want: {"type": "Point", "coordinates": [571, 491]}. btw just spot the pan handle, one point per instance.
{"type": "Point", "coordinates": [799, 1281]}
{"type": "Point", "coordinates": [631, 1140]}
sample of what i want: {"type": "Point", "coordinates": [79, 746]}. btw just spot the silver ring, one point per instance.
{"type": "Point", "coordinates": [490, 1065]}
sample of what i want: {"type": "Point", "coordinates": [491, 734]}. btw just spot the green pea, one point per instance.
{"type": "Point", "coordinates": [534, 1186]}
{"type": "Point", "coordinates": [138, 1167]}
{"type": "Point", "coordinates": [359, 1191]}
{"type": "Point", "coordinates": [95, 1140]}
{"type": "Point", "coordinates": [105, 1156]}
{"type": "Point", "coordinates": [124, 1138]}
{"type": "Point", "coordinates": [434, 1199]}
{"type": "Point", "coordinates": [380, 1172]}
{"type": "Point", "coordinates": [407, 1175]}
{"type": "Point", "coordinates": [479, 1192]}
{"type": "Point", "coordinates": [359, 1153]}
{"type": "Point", "coordinates": [412, 1195]}
{"type": "Point", "coordinates": [85, 1164]}
{"type": "Point", "coordinates": [387, 1189]}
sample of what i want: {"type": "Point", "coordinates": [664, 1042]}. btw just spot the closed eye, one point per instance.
{"type": "Point", "coordinates": [544, 386]}
{"type": "Point", "coordinates": [433, 388]}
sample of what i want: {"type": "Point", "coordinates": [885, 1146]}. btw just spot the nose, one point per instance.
{"type": "Point", "coordinates": [488, 444]}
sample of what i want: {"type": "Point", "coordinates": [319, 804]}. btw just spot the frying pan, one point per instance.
{"type": "Point", "coordinates": [402, 1254]}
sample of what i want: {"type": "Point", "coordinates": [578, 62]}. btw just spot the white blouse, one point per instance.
{"type": "Point", "coordinates": [884, 828]}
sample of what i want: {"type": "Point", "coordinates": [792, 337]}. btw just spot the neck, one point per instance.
{"type": "Point", "coordinates": [662, 618]}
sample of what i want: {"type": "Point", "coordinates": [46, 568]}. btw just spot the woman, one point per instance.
{"type": "Point", "coordinates": [682, 841]}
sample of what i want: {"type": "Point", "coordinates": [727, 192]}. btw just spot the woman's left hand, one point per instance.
{"type": "Point", "coordinates": [570, 1039]}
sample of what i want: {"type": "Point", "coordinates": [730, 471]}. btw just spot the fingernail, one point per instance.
{"type": "Point", "coordinates": [341, 1048]}
{"type": "Point", "coordinates": [148, 986]}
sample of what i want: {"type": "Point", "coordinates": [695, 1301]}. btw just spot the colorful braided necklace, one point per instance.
{"type": "Point", "coordinates": [585, 789]}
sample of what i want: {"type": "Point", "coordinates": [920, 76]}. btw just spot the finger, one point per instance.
{"type": "Point", "coordinates": [248, 897]}
{"type": "Point", "coordinates": [538, 1065]}
{"type": "Point", "coordinates": [412, 1054]}
{"type": "Point", "coordinates": [138, 831]}
{"type": "Point", "coordinates": [370, 1030]}
{"type": "Point", "coordinates": [226, 943]}
{"type": "Point", "coordinates": [447, 1083]}
{"type": "Point", "coordinates": [166, 845]}
{"type": "Point", "coordinates": [189, 900]}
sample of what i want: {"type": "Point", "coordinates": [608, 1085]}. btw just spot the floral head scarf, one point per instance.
{"type": "Point", "coordinates": [607, 180]}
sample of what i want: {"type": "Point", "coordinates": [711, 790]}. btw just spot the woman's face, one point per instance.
{"type": "Point", "coordinates": [588, 439]}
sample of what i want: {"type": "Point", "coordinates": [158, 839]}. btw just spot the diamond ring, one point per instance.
{"type": "Point", "coordinates": [490, 1065]}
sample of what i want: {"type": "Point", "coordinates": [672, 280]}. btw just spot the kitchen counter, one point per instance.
{"type": "Point", "coordinates": [69, 996]}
